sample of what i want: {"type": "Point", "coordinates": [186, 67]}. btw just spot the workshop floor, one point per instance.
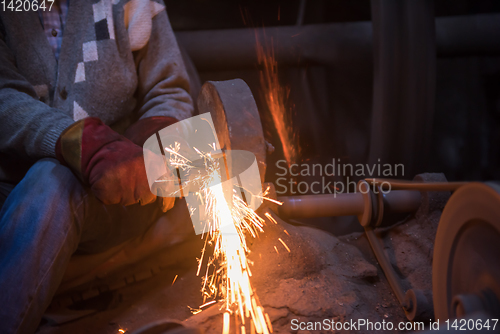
{"type": "Point", "coordinates": [321, 277]}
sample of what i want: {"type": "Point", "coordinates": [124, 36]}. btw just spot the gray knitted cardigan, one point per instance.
{"type": "Point", "coordinates": [119, 61]}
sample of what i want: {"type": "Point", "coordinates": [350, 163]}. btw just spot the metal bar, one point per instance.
{"type": "Point", "coordinates": [293, 45]}
{"type": "Point", "coordinates": [386, 266]}
{"type": "Point", "coordinates": [330, 43]}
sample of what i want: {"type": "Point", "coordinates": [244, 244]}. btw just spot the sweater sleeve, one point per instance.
{"type": "Point", "coordinates": [28, 127]}
{"type": "Point", "coordinates": [163, 88]}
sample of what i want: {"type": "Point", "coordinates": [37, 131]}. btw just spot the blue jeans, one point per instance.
{"type": "Point", "coordinates": [46, 218]}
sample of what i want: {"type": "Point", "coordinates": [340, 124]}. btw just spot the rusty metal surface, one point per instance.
{"type": "Point", "coordinates": [236, 117]}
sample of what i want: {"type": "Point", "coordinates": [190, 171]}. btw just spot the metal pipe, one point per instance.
{"type": "Point", "coordinates": [345, 204]}
{"type": "Point", "coordinates": [468, 35]}
{"type": "Point", "coordinates": [331, 43]}
{"type": "Point", "coordinates": [321, 205]}
{"type": "Point", "coordinates": [293, 45]}
{"type": "Point", "coordinates": [402, 201]}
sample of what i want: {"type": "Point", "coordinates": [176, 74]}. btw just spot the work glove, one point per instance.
{"type": "Point", "coordinates": [110, 164]}
{"type": "Point", "coordinates": [144, 128]}
{"type": "Point", "coordinates": [140, 131]}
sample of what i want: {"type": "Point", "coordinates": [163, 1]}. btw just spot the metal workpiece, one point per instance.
{"type": "Point", "coordinates": [236, 117]}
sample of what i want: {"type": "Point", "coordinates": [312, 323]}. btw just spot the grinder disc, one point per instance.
{"type": "Point", "coordinates": [235, 116]}
{"type": "Point", "coordinates": [466, 265]}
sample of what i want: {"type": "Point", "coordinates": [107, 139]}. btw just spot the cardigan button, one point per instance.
{"type": "Point", "coordinates": [54, 32]}
{"type": "Point", "coordinates": [63, 93]}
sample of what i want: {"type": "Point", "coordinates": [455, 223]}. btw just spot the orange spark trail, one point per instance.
{"type": "Point", "coordinates": [288, 249]}
{"type": "Point", "coordinates": [227, 227]}
{"type": "Point", "coordinates": [276, 96]}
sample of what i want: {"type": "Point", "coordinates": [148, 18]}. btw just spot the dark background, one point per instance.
{"type": "Point", "coordinates": [331, 103]}
{"type": "Point", "coordinates": [227, 14]}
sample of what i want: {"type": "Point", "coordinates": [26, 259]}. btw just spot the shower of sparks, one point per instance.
{"type": "Point", "coordinates": [227, 275]}
{"type": "Point", "coordinates": [276, 97]}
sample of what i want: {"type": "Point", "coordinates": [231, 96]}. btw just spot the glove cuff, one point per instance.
{"type": "Point", "coordinates": [80, 141]}
{"type": "Point", "coordinates": [141, 130]}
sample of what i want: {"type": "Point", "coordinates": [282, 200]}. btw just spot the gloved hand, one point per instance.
{"type": "Point", "coordinates": [140, 131]}
{"type": "Point", "coordinates": [109, 163]}
{"type": "Point", "coordinates": [144, 128]}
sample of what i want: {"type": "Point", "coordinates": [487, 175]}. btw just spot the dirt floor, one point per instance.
{"type": "Point", "coordinates": [322, 277]}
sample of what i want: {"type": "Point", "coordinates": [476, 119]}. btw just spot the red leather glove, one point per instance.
{"type": "Point", "coordinates": [140, 131]}
{"type": "Point", "coordinates": [109, 163]}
